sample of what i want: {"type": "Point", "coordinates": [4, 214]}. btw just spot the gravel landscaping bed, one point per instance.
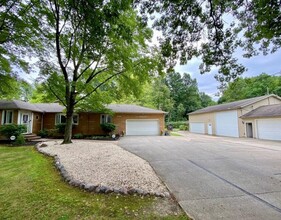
{"type": "Point", "coordinates": [104, 167]}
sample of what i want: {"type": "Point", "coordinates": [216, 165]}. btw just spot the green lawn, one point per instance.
{"type": "Point", "coordinates": [175, 133]}
{"type": "Point", "coordinates": [31, 188]}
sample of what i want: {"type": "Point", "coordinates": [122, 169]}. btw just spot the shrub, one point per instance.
{"type": "Point", "coordinates": [108, 127]}
{"type": "Point", "coordinates": [60, 128]}
{"type": "Point", "coordinates": [183, 127]}
{"type": "Point", "coordinates": [52, 132]}
{"type": "Point", "coordinates": [78, 136]}
{"type": "Point", "coordinates": [43, 133]}
{"type": "Point", "coordinates": [12, 130]}
{"type": "Point", "coordinates": [177, 124]}
{"type": "Point", "coordinates": [20, 140]}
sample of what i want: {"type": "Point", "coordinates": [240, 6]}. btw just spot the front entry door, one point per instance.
{"type": "Point", "coordinates": [249, 130]}
{"type": "Point", "coordinates": [210, 130]}
{"type": "Point", "coordinates": [26, 120]}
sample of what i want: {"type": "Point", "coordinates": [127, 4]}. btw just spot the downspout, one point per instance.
{"type": "Point", "coordinates": [42, 120]}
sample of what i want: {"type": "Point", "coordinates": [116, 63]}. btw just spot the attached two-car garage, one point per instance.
{"type": "Point", "coordinates": [142, 127]}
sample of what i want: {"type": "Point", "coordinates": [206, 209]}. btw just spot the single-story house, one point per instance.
{"type": "Point", "coordinates": [258, 117]}
{"type": "Point", "coordinates": [129, 119]}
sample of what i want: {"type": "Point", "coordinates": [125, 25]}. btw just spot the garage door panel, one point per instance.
{"type": "Point", "coordinates": [227, 124]}
{"type": "Point", "coordinates": [142, 127]}
{"type": "Point", "coordinates": [269, 129]}
{"type": "Point", "coordinates": [197, 127]}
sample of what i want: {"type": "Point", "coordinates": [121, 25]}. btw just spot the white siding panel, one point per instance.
{"type": "Point", "coordinates": [269, 129]}
{"type": "Point", "coordinates": [142, 127]}
{"type": "Point", "coordinates": [227, 124]}
{"type": "Point", "coordinates": [197, 127]}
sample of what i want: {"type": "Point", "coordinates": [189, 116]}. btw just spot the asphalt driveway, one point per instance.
{"type": "Point", "coordinates": [214, 177]}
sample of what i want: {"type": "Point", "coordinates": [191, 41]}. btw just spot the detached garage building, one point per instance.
{"type": "Point", "coordinates": [258, 117]}
{"type": "Point", "coordinates": [267, 121]}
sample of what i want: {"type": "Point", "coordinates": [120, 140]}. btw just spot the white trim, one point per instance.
{"type": "Point", "coordinates": [29, 129]}
{"type": "Point", "coordinates": [256, 129]}
{"type": "Point", "coordinates": [2, 120]}
{"type": "Point", "coordinates": [31, 122]}
{"type": "Point", "coordinates": [3, 115]}
{"type": "Point", "coordinates": [60, 114]}
{"type": "Point", "coordinates": [106, 118]}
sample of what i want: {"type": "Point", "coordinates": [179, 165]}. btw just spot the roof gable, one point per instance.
{"type": "Point", "coordinates": [16, 104]}
{"type": "Point", "coordinates": [35, 107]}
{"type": "Point", "coordinates": [233, 105]}
{"type": "Point", "coordinates": [264, 111]}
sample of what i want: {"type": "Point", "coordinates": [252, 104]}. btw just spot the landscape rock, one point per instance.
{"type": "Point", "coordinates": [84, 162]}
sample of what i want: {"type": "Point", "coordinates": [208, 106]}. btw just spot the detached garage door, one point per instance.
{"type": "Point", "coordinates": [227, 124]}
{"type": "Point", "coordinates": [142, 127]}
{"type": "Point", "coordinates": [269, 129]}
{"type": "Point", "coordinates": [197, 127]}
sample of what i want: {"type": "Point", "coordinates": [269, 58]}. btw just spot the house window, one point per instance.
{"type": "Point", "coordinates": [61, 119]}
{"type": "Point", "coordinates": [105, 119]}
{"type": "Point", "coordinates": [7, 117]}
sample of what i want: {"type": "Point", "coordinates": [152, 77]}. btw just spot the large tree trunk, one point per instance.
{"type": "Point", "coordinates": [68, 128]}
{"type": "Point", "coordinates": [69, 116]}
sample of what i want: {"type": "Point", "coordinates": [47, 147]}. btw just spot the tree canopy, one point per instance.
{"type": "Point", "coordinates": [243, 88]}
{"type": "Point", "coordinates": [174, 93]}
{"type": "Point", "coordinates": [98, 45]}
{"type": "Point", "coordinates": [213, 30]}
{"type": "Point", "coordinates": [19, 39]}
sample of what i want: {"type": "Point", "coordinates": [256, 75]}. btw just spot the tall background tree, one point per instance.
{"type": "Point", "coordinates": [19, 40]}
{"type": "Point", "coordinates": [174, 93]}
{"type": "Point", "coordinates": [98, 45]}
{"type": "Point", "coordinates": [243, 88]}
{"type": "Point", "coordinates": [213, 30]}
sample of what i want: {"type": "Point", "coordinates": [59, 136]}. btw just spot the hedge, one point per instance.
{"type": "Point", "coordinates": [177, 124]}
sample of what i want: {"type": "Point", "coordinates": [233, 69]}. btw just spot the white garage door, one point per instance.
{"type": "Point", "coordinates": [227, 124]}
{"type": "Point", "coordinates": [269, 129]}
{"type": "Point", "coordinates": [197, 127]}
{"type": "Point", "coordinates": [142, 127]}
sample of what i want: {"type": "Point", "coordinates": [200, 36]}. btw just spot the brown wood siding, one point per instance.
{"type": "Point", "coordinates": [49, 120]}
{"type": "Point", "coordinates": [89, 123]}
{"type": "Point", "coordinates": [37, 119]}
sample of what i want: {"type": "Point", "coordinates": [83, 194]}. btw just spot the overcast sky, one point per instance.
{"type": "Point", "coordinates": [269, 64]}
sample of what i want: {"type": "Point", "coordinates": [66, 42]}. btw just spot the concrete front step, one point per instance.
{"type": "Point", "coordinates": [31, 137]}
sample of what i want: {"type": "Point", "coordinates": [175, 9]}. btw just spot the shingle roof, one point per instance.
{"type": "Point", "coordinates": [50, 107]}
{"type": "Point", "coordinates": [16, 104]}
{"type": "Point", "coordinates": [264, 111]}
{"type": "Point", "coordinates": [232, 105]}
{"type": "Point", "coordinates": [55, 107]}
{"type": "Point", "coordinates": [36, 107]}
{"type": "Point", "coordinates": [126, 108]}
